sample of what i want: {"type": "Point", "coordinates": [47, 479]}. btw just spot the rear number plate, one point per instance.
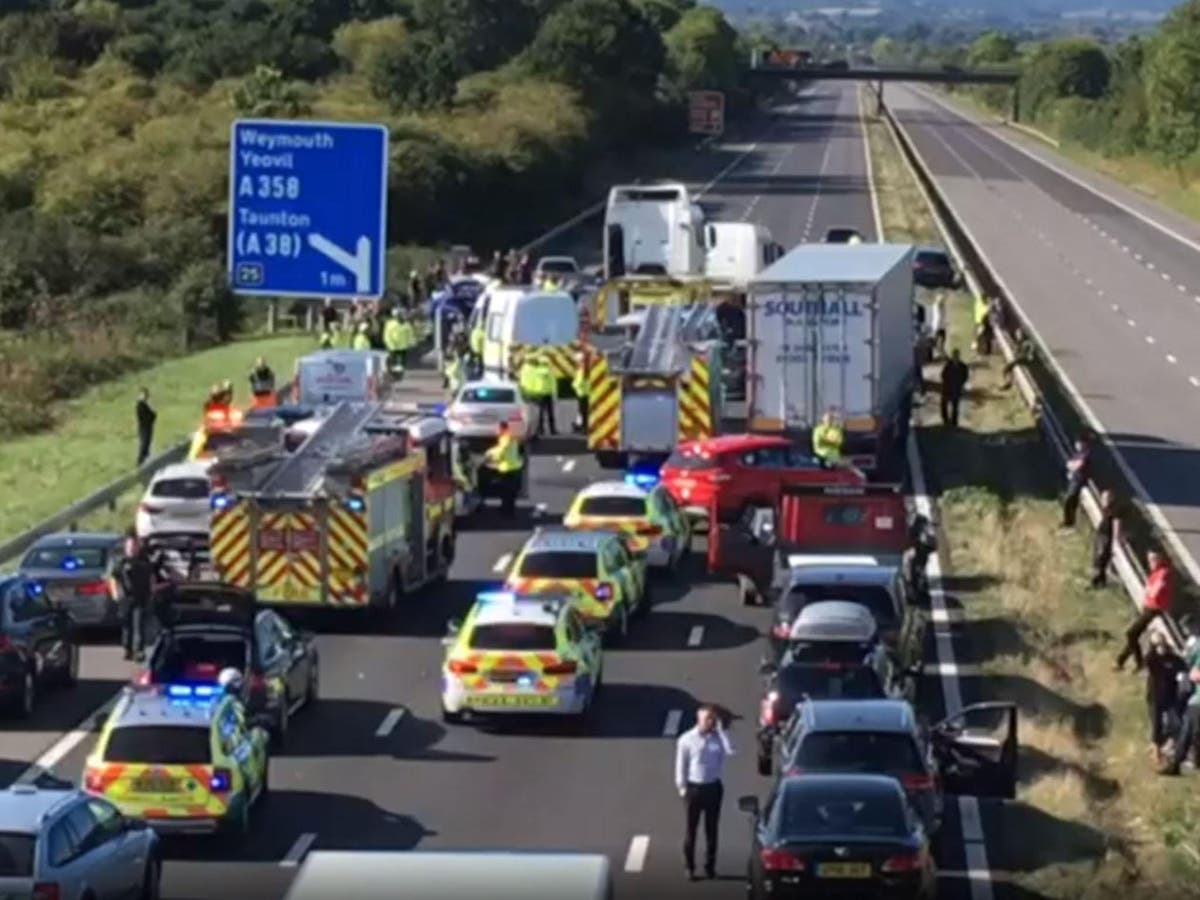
{"type": "Point", "coordinates": [844, 870]}
{"type": "Point", "coordinates": [156, 783]}
{"type": "Point", "coordinates": [514, 700]}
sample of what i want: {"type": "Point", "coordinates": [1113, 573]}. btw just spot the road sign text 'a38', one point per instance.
{"type": "Point", "coordinates": [307, 208]}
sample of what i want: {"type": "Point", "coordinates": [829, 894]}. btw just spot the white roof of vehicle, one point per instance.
{"type": "Point", "coordinates": [501, 610]}
{"type": "Point", "coordinates": [488, 385]}
{"type": "Point", "coordinates": [835, 263]}
{"type": "Point", "coordinates": [834, 620]}
{"type": "Point", "coordinates": [183, 470]}
{"type": "Point", "coordinates": [613, 489]}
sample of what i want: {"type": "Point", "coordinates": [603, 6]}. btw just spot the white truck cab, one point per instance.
{"type": "Point", "coordinates": [653, 229]}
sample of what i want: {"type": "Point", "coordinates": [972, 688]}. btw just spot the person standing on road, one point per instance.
{"type": "Point", "coordinates": [955, 375]}
{"type": "Point", "coordinates": [1163, 668]}
{"type": "Point", "coordinates": [504, 459]}
{"type": "Point", "coordinates": [137, 577]}
{"type": "Point", "coordinates": [1078, 472]}
{"type": "Point", "coordinates": [1155, 602]}
{"type": "Point", "coordinates": [700, 755]}
{"type": "Point", "coordinates": [1108, 531]}
{"type": "Point", "coordinates": [828, 439]}
{"type": "Point", "coordinates": [1189, 729]}
{"type": "Point", "coordinates": [146, 417]}
{"type": "Point", "coordinates": [937, 324]}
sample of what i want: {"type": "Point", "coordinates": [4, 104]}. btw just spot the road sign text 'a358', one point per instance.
{"type": "Point", "coordinates": [307, 208]}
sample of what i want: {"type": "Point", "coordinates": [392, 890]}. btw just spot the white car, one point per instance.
{"type": "Point", "coordinates": [558, 266]}
{"type": "Point", "coordinates": [176, 502]}
{"type": "Point", "coordinates": [480, 406]}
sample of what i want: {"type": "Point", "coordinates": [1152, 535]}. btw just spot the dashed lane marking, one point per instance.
{"type": "Point", "coordinates": [695, 636]}
{"type": "Point", "coordinates": [1149, 339]}
{"type": "Point", "coordinates": [502, 563]}
{"type": "Point", "coordinates": [1194, 380]}
{"type": "Point", "coordinates": [569, 465]}
{"type": "Point", "coordinates": [390, 721]}
{"type": "Point", "coordinates": [60, 749]}
{"type": "Point", "coordinates": [539, 510]}
{"type": "Point", "coordinates": [1171, 358]}
{"type": "Point", "coordinates": [671, 726]}
{"type": "Point", "coordinates": [299, 850]}
{"type": "Point", "coordinates": [635, 859]}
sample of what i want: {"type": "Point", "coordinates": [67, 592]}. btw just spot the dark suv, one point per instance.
{"type": "Point", "coordinates": [932, 268]}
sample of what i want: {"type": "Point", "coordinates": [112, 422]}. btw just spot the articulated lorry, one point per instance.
{"type": "Point", "coordinates": [831, 329]}
{"type": "Point", "coordinates": [653, 229]}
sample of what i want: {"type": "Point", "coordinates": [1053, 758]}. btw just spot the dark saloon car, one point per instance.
{"type": "Point", "coordinates": [838, 836]}
{"type": "Point", "coordinates": [37, 645]}
{"type": "Point", "coordinates": [78, 571]}
{"type": "Point", "coordinates": [932, 268]}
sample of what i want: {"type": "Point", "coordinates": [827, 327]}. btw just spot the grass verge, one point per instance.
{"type": "Point", "coordinates": [1092, 818]}
{"type": "Point", "coordinates": [96, 440]}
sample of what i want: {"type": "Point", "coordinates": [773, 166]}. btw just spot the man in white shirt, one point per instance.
{"type": "Point", "coordinates": [699, 760]}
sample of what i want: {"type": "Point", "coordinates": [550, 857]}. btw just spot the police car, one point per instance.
{"type": "Point", "coordinates": [520, 653]}
{"type": "Point", "coordinates": [183, 758]}
{"type": "Point", "coordinates": [600, 571]}
{"type": "Point", "coordinates": [642, 509]}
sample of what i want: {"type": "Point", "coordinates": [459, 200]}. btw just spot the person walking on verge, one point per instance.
{"type": "Point", "coordinates": [700, 755]}
{"type": "Point", "coordinates": [1189, 729]}
{"type": "Point", "coordinates": [146, 417]}
{"type": "Point", "coordinates": [1107, 533]}
{"type": "Point", "coordinates": [954, 381]}
{"type": "Point", "coordinates": [1155, 602]}
{"type": "Point", "coordinates": [1078, 472]}
{"type": "Point", "coordinates": [1163, 668]}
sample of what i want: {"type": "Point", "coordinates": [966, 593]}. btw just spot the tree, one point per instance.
{"type": "Point", "coordinates": [266, 93]}
{"type": "Point", "coordinates": [481, 34]}
{"type": "Point", "coordinates": [702, 52]}
{"type": "Point", "coordinates": [1173, 88]}
{"type": "Point", "coordinates": [664, 14]}
{"type": "Point", "coordinates": [367, 46]}
{"type": "Point", "coordinates": [420, 73]}
{"type": "Point", "coordinates": [1074, 67]}
{"type": "Point", "coordinates": [992, 48]}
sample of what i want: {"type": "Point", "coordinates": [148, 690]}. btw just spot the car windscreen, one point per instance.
{"type": "Point", "coordinates": [488, 395]}
{"type": "Point", "coordinates": [827, 683]}
{"type": "Point", "coordinates": [562, 266]}
{"type": "Point", "coordinates": [66, 558]}
{"type": "Point", "coordinates": [876, 598]}
{"type": "Point", "coordinates": [840, 235]}
{"type": "Point", "coordinates": [624, 507]}
{"type": "Point", "coordinates": [858, 751]}
{"type": "Point", "coordinates": [16, 854]}
{"type": "Point", "coordinates": [930, 258]}
{"type": "Point", "coordinates": [843, 653]}
{"type": "Point", "coordinates": [198, 657]}
{"type": "Point", "coordinates": [559, 564]}
{"type": "Point", "coordinates": [516, 636]}
{"type": "Point", "coordinates": [159, 745]}
{"type": "Point", "coordinates": [808, 812]}
{"type": "Point", "coordinates": [180, 489]}
{"type": "Point", "coordinates": [691, 460]}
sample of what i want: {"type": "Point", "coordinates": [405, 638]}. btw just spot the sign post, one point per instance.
{"type": "Point", "coordinates": [706, 112]}
{"type": "Point", "coordinates": [307, 208]}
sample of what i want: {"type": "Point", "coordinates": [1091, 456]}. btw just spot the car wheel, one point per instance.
{"type": "Point", "coordinates": [151, 881]}
{"type": "Point", "coordinates": [26, 700]}
{"type": "Point", "coordinates": [69, 673]}
{"type": "Point", "coordinates": [764, 765]}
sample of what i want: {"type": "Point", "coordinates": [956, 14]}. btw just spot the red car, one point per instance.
{"type": "Point", "coordinates": [741, 470]}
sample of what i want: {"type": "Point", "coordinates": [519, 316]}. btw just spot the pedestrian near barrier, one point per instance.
{"type": "Point", "coordinates": [1163, 668]}
{"type": "Point", "coordinates": [146, 417]}
{"type": "Point", "coordinates": [1189, 729]}
{"type": "Point", "coordinates": [1078, 471]}
{"type": "Point", "coordinates": [700, 755]}
{"type": "Point", "coordinates": [1155, 602]}
{"type": "Point", "coordinates": [1108, 532]}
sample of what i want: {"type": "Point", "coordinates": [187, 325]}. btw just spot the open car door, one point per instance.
{"type": "Point", "coordinates": [206, 603]}
{"type": "Point", "coordinates": [184, 556]}
{"type": "Point", "coordinates": [977, 750]}
{"type": "Point", "coordinates": [745, 550]}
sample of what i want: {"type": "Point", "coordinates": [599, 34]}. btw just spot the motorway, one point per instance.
{"type": "Point", "coordinates": [1109, 281]}
{"type": "Point", "coordinates": [372, 766]}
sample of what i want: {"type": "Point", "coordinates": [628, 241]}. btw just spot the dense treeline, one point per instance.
{"type": "Point", "coordinates": [114, 120]}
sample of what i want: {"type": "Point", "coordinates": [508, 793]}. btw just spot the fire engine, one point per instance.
{"type": "Point", "coordinates": [351, 506]}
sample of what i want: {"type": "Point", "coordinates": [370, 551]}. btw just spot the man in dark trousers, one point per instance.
{"type": "Point", "coordinates": [1078, 472]}
{"type": "Point", "coordinates": [954, 381]}
{"type": "Point", "coordinates": [145, 425]}
{"type": "Point", "coordinates": [1155, 602]}
{"type": "Point", "coordinates": [1108, 531]}
{"type": "Point", "coordinates": [700, 755]}
{"type": "Point", "coordinates": [137, 582]}
{"type": "Point", "coordinates": [1163, 668]}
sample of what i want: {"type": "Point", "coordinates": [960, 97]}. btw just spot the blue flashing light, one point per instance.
{"type": "Point", "coordinates": [219, 782]}
{"type": "Point", "coordinates": [356, 504]}
{"type": "Point", "coordinates": [35, 588]}
{"type": "Point", "coordinates": [525, 681]}
{"type": "Point", "coordinates": [644, 480]}
{"type": "Point", "coordinates": [192, 691]}
{"type": "Point", "coordinates": [220, 501]}
{"type": "Point", "coordinates": [496, 597]}
{"type": "Point", "coordinates": [71, 563]}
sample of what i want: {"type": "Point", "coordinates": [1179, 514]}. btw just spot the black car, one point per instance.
{"type": "Point", "coordinates": [838, 836]}
{"type": "Point", "coordinates": [208, 627]}
{"type": "Point", "coordinates": [932, 268]}
{"type": "Point", "coordinates": [37, 645]}
{"type": "Point", "coordinates": [843, 236]}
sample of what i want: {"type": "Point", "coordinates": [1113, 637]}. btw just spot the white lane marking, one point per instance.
{"type": "Point", "coordinates": [539, 510]}
{"type": "Point", "coordinates": [1132, 324]}
{"type": "Point", "coordinates": [390, 721]}
{"type": "Point", "coordinates": [569, 465]}
{"type": "Point", "coordinates": [695, 636]}
{"type": "Point", "coordinates": [1171, 358]}
{"type": "Point", "coordinates": [866, 133]}
{"type": "Point", "coordinates": [735, 163]}
{"type": "Point", "coordinates": [502, 563]}
{"type": "Point", "coordinates": [671, 726]}
{"type": "Point", "coordinates": [558, 459]}
{"type": "Point", "coordinates": [1149, 339]}
{"type": "Point", "coordinates": [1116, 308]}
{"type": "Point", "coordinates": [635, 859]}
{"type": "Point", "coordinates": [299, 850]}
{"type": "Point", "coordinates": [60, 749]}
{"type": "Point", "coordinates": [946, 615]}
{"type": "Point", "coordinates": [1182, 288]}
{"type": "Point", "coordinates": [1194, 380]}
{"type": "Point", "coordinates": [1165, 276]}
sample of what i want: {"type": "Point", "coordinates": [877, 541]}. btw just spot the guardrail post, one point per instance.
{"type": "Point", "coordinates": [1016, 103]}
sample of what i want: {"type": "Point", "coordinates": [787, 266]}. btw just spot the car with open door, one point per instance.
{"type": "Point", "coordinates": [844, 835]}
{"type": "Point", "coordinates": [208, 627]}
{"type": "Point", "coordinates": [972, 752]}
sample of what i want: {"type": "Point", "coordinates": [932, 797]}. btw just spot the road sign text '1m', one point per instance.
{"type": "Point", "coordinates": [307, 208]}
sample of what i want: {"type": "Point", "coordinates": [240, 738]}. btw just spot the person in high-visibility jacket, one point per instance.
{"type": "Point", "coordinates": [262, 384]}
{"type": "Point", "coordinates": [579, 384]}
{"type": "Point", "coordinates": [983, 325]}
{"type": "Point", "coordinates": [408, 337]}
{"type": "Point", "coordinates": [453, 372]}
{"type": "Point", "coordinates": [504, 460]}
{"type": "Point", "coordinates": [475, 343]}
{"type": "Point", "coordinates": [328, 338]}
{"type": "Point", "coordinates": [362, 337]}
{"type": "Point", "coordinates": [393, 339]}
{"type": "Point", "coordinates": [828, 438]}
{"type": "Point", "coordinates": [539, 385]}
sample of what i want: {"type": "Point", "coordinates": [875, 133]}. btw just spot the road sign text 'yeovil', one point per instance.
{"type": "Point", "coordinates": [307, 208]}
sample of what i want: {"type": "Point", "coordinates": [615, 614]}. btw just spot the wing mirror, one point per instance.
{"type": "Point", "coordinates": [748, 805]}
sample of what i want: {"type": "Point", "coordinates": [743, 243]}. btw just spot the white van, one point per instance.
{"type": "Point", "coordinates": [737, 251]}
{"type": "Point", "coordinates": [338, 376]}
{"type": "Point", "coordinates": [521, 318]}
{"type": "Point", "coordinates": [411, 875]}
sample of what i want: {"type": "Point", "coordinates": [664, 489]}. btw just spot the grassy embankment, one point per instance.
{"type": "Point", "coordinates": [95, 440]}
{"type": "Point", "coordinates": [1092, 818]}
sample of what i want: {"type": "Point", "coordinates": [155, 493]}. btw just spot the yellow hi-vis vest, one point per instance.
{"type": "Point", "coordinates": [981, 309]}
{"type": "Point", "coordinates": [476, 341]}
{"type": "Point", "coordinates": [503, 456]}
{"type": "Point", "coordinates": [579, 381]}
{"type": "Point", "coordinates": [327, 340]}
{"type": "Point", "coordinates": [362, 342]}
{"type": "Point", "coordinates": [827, 442]}
{"type": "Point", "coordinates": [454, 373]}
{"type": "Point", "coordinates": [530, 380]}
{"type": "Point", "coordinates": [393, 336]}
{"type": "Point", "coordinates": [408, 337]}
{"type": "Point", "coordinates": [547, 380]}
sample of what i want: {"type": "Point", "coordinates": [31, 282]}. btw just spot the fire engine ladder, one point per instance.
{"type": "Point", "coordinates": [302, 473]}
{"type": "Point", "coordinates": [663, 346]}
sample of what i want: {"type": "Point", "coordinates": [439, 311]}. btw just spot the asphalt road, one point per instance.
{"type": "Point", "coordinates": [372, 767]}
{"type": "Point", "coordinates": [1110, 282]}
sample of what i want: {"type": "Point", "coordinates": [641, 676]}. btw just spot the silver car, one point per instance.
{"type": "Point", "coordinates": [77, 571]}
{"type": "Point", "coordinates": [176, 502]}
{"type": "Point", "coordinates": [481, 406]}
{"type": "Point", "coordinates": [72, 846]}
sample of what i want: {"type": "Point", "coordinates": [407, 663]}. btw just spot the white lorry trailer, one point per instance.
{"type": "Point", "coordinates": [831, 328]}
{"type": "Point", "coordinates": [653, 229]}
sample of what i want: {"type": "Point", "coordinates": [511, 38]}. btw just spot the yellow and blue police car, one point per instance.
{"type": "Point", "coordinates": [598, 569]}
{"type": "Point", "coordinates": [183, 758]}
{"type": "Point", "coordinates": [520, 653]}
{"type": "Point", "coordinates": [642, 509]}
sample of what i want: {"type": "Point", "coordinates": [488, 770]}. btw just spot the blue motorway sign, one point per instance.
{"type": "Point", "coordinates": [307, 208]}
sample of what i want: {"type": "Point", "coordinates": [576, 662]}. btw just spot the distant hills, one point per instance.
{"type": "Point", "coordinates": [980, 8]}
